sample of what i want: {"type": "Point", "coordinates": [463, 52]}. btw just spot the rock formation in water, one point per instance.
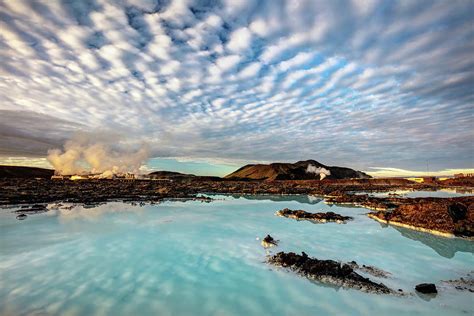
{"type": "Point", "coordinates": [268, 242]}
{"type": "Point", "coordinates": [327, 271]}
{"type": "Point", "coordinates": [314, 217]}
{"type": "Point", "coordinates": [444, 216]}
{"type": "Point", "coordinates": [462, 284]}
{"type": "Point", "coordinates": [376, 272]}
{"type": "Point", "coordinates": [426, 288]}
{"type": "Point", "coordinates": [294, 171]}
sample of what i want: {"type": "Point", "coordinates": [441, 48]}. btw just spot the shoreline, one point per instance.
{"type": "Point", "coordinates": [417, 228]}
{"type": "Point", "coordinates": [426, 214]}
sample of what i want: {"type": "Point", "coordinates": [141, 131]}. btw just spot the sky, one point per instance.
{"type": "Point", "coordinates": [212, 85]}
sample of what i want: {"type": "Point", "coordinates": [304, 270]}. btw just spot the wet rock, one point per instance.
{"type": "Point", "coordinates": [21, 217]}
{"type": "Point", "coordinates": [462, 284]}
{"type": "Point", "coordinates": [268, 242]}
{"type": "Point", "coordinates": [369, 269]}
{"type": "Point", "coordinates": [315, 217]}
{"type": "Point", "coordinates": [439, 216]}
{"type": "Point", "coordinates": [457, 211]}
{"type": "Point", "coordinates": [35, 209]}
{"type": "Point", "coordinates": [426, 288]}
{"type": "Point", "coordinates": [327, 271]}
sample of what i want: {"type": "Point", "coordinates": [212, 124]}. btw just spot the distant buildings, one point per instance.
{"type": "Point", "coordinates": [463, 175]}
{"type": "Point", "coordinates": [425, 179]}
{"type": "Point", "coordinates": [110, 176]}
{"type": "Point", "coordinates": [429, 179]}
{"type": "Point", "coordinates": [436, 179]}
{"type": "Point", "coordinates": [59, 177]}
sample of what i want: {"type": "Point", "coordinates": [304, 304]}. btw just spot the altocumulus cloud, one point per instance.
{"type": "Point", "coordinates": [361, 83]}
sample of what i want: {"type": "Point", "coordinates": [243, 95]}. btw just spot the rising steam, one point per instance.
{"type": "Point", "coordinates": [85, 154]}
{"type": "Point", "coordinates": [323, 172]}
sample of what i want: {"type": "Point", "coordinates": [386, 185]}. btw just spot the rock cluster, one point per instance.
{"type": "Point", "coordinates": [315, 217]}
{"type": "Point", "coordinates": [327, 271]}
{"type": "Point", "coordinates": [462, 284]}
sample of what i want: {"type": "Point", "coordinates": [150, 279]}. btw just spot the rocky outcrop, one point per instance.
{"type": "Point", "coordinates": [328, 272]}
{"type": "Point", "coordinates": [268, 242]}
{"type": "Point", "coordinates": [379, 273]}
{"type": "Point", "coordinates": [442, 216]}
{"type": "Point", "coordinates": [314, 217]}
{"type": "Point", "coordinates": [426, 288]}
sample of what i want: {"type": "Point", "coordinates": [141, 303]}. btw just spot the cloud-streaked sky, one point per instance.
{"type": "Point", "coordinates": [361, 83]}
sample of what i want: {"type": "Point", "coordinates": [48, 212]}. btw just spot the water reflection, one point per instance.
{"type": "Point", "coordinates": [446, 247]}
{"type": "Point", "coordinates": [305, 199]}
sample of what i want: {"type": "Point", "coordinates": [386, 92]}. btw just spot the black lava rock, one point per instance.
{"type": "Point", "coordinates": [426, 288]}
{"type": "Point", "coordinates": [457, 211]}
{"type": "Point", "coordinates": [21, 217]}
{"type": "Point", "coordinates": [327, 271]}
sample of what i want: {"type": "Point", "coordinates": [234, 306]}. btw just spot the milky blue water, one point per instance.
{"type": "Point", "coordinates": [193, 258]}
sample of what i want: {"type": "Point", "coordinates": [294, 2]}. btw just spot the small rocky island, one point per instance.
{"type": "Point", "coordinates": [327, 271]}
{"type": "Point", "coordinates": [445, 217]}
{"type": "Point", "coordinates": [314, 217]}
{"type": "Point", "coordinates": [269, 241]}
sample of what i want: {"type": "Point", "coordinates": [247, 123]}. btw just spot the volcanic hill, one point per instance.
{"type": "Point", "coordinates": [293, 171]}
{"type": "Point", "coordinates": [25, 172]}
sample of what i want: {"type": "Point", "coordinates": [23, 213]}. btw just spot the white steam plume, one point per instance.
{"type": "Point", "coordinates": [85, 154]}
{"type": "Point", "coordinates": [323, 172]}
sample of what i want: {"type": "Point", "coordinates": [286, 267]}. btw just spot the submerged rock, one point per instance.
{"type": "Point", "coordinates": [35, 209]}
{"type": "Point", "coordinates": [370, 270]}
{"type": "Point", "coordinates": [315, 217]}
{"type": "Point", "coordinates": [268, 242]}
{"type": "Point", "coordinates": [462, 284]}
{"type": "Point", "coordinates": [21, 217]}
{"type": "Point", "coordinates": [426, 288]}
{"type": "Point", "coordinates": [328, 271]}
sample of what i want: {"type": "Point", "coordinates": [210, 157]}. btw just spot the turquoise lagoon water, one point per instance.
{"type": "Point", "coordinates": [193, 258]}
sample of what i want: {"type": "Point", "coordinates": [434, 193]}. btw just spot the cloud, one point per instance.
{"type": "Point", "coordinates": [357, 83]}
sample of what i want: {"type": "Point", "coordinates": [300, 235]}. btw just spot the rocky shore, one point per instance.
{"type": "Point", "coordinates": [441, 216]}
{"type": "Point", "coordinates": [328, 272]}
{"type": "Point", "coordinates": [314, 217]}
{"type": "Point", "coordinates": [17, 191]}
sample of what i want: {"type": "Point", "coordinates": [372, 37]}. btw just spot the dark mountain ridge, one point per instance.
{"type": "Point", "coordinates": [293, 171]}
{"type": "Point", "coordinates": [25, 172]}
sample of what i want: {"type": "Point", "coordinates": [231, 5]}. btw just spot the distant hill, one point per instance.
{"type": "Point", "coordinates": [464, 181]}
{"type": "Point", "coordinates": [170, 175]}
{"type": "Point", "coordinates": [293, 171]}
{"type": "Point", "coordinates": [25, 172]}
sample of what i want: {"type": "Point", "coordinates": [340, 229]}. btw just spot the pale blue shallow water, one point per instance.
{"type": "Point", "coordinates": [193, 258]}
